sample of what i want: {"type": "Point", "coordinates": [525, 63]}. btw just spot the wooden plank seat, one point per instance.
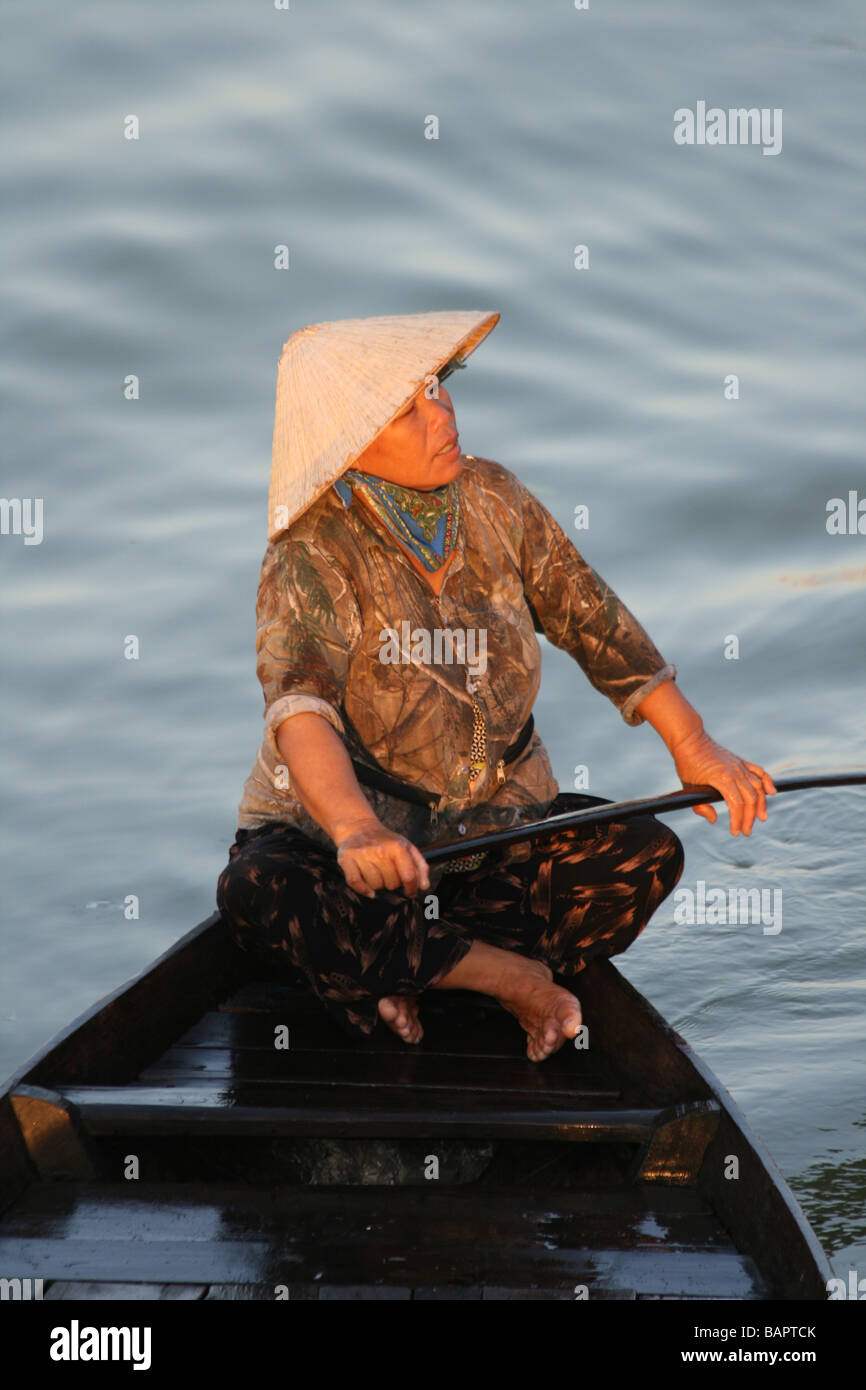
{"type": "Point", "coordinates": [288, 1109]}
{"type": "Point", "coordinates": [638, 1242]}
{"type": "Point", "coordinates": [444, 1036]}
{"type": "Point", "coordinates": [414, 1068]}
{"type": "Point", "coordinates": [455, 1024]}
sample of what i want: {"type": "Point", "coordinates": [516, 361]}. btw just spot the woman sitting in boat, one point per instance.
{"type": "Point", "coordinates": [398, 605]}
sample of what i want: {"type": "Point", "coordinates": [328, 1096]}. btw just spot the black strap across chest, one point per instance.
{"type": "Point", "coordinates": [383, 782]}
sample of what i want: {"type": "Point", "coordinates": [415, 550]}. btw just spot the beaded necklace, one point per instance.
{"type": "Point", "coordinates": [426, 523]}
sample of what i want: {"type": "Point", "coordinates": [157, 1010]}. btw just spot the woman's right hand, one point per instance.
{"type": "Point", "coordinates": [373, 857]}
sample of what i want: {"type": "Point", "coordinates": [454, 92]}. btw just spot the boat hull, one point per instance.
{"type": "Point", "coordinates": [207, 1133]}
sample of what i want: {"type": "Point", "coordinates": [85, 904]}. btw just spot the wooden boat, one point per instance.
{"type": "Point", "coordinates": [167, 1145]}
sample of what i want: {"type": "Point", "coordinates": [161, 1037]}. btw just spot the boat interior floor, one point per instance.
{"type": "Point", "coordinates": [266, 1155]}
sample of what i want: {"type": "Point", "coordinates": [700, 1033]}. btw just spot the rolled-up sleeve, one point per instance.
{"type": "Point", "coordinates": [307, 629]}
{"type": "Point", "coordinates": [579, 613]}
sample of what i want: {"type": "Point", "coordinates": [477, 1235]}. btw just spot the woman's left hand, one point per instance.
{"type": "Point", "coordinates": [700, 761]}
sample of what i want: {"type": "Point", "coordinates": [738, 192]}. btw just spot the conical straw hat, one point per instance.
{"type": "Point", "coordinates": [340, 384]}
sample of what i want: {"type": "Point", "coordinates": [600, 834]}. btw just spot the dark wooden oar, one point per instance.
{"type": "Point", "coordinates": [624, 810]}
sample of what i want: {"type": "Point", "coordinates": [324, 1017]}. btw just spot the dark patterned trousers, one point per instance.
{"type": "Point", "coordinates": [583, 893]}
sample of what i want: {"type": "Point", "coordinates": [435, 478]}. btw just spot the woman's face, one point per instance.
{"type": "Point", "coordinates": [420, 448]}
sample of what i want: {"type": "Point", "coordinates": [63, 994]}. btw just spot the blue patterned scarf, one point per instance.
{"type": "Point", "coordinates": [424, 522]}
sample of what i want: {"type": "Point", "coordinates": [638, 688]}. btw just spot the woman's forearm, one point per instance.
{"type": "Point", "coordinates": [700, 761]}
{"type": "Point", "coordinates": [370, 855]}
{"type": "Point", "coordinates": [670, 714]}
{"type": "Point", "coordinates": [322, 775]}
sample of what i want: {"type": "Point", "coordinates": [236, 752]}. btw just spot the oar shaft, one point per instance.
{"type": "Point", "coordinates": [625, 810]}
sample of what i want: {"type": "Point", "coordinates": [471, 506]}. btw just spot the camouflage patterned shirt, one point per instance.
{"type": "Point", "coordinates": [348, 628]}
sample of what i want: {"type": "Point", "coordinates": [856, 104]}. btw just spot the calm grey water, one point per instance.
{"type": "Point", "coordinates": [602, 386]}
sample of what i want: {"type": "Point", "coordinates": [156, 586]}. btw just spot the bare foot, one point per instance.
{"type": "Point", "coordinates": [546, 1012]}
{"type": "Point", "coordinates": [400, 1012]}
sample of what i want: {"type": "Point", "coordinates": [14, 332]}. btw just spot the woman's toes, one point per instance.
{"type": "Point", "coordinates": [400, 1013]}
